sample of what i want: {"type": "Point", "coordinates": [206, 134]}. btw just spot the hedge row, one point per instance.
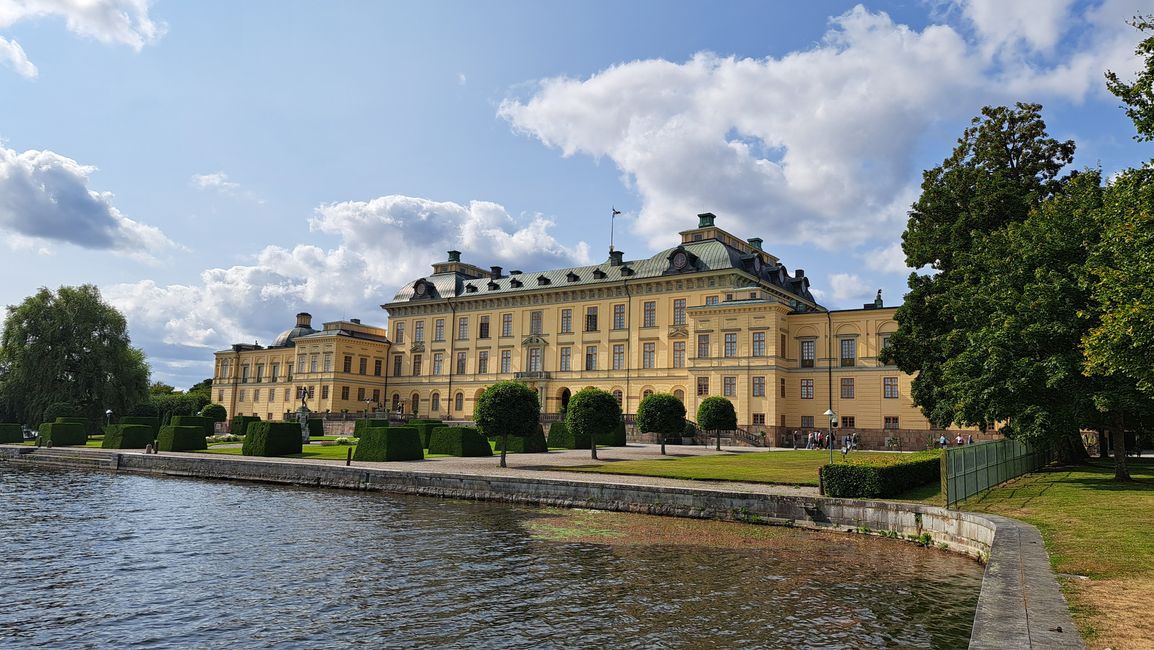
{"type": "Point", "coordinates": [239, 424]}
{"type": "Point", "coordinates": [316, 427]}
{"type": "Point", "coordinates": [382, 444]}
{"type": "Point", "coordinates": [127, 436]}
{"type": "Point", "coordinates": [872, 480]}
{"type": "Point", "coordinates": [11, 433]}
{"type": "Point", "coordinates": [181, 438]}
{"type": "Point", "coordinates": [614, 438]}
{"type": "Point", "coordinates": [425, 428]}
{"type": "Point", "coordinates": [62, 433]}
{"type": "Point", "coordinates": [532, 444]}
{"type": "Point", "coordinates": [560, 437]}
{"type": "Point", "coordinates": [459, 441]}
{"type": "Point", "coordinates": [204, 423]}
{"type": "Point", "coordinates": [152, 423]}
{"type": "Point", "coordinates": [276, 438]}
{"type": "Point", "coordinates": [360, 426]}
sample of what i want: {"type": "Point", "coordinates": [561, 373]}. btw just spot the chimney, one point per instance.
{"type": "Point", "coordinates": [355, 321]}
{"type": "Point", "coordinates": [454, 256]}
{"type": "Point", "coordinates": [494, 272]}
{"type": "Point", "coordinates": [305, 319]}
{"type": "Point", "coordinates": [798, 273]}
{"type": "Point", "coordinates": [615, 258]}
{"type": "Point", "coordinates": [755, 242]}
{"type": "Point", "coordinates": [878, 300]}
{"type": "Point", "coordinates": [514, 273]}
{"type": "Point", "coordinates": [705, 220]}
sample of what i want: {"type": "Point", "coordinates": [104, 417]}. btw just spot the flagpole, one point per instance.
{"type": "Point", "coordinates": [612, 221]}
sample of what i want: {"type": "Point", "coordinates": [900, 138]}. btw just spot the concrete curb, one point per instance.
{"type": "Point", "coordinates": [1020, 605]}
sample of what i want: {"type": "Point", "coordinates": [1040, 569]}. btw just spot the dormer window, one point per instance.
{"type": "Point", "coordinates": [469, 288]}
{"type": "Point", "coordinates": [542, 281]}
{"type": "Point", "coordinates": [572, 277]}
{"type": "Point", "coordinates": [515, 283]}
{"type": "Point", "coordinates": [625, 270]}
{"type": "Point", "coordinates": [493, 286]}
{"type": "Point", "coordinates": [598, 274]}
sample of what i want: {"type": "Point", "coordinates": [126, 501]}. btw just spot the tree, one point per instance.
{"type": "Point", "coordinates": [161, 388]}
{"type": "Point", "coordinates": [508, 408]}
{"type": "Point", "coordinates": [716, 414]}
{"type": "Point", "coordinates": [1004, 165]}
{"type": "Point", "coordinates": [661, 413]}
{"type": "Point", "coordinates": [215, 411]}
{"type": "Point", "coordinates": [69, 346]}
{"type": "Point", "coordinates": [1138, 97]}
{"type": "Point", "coordinates": [592, 411]}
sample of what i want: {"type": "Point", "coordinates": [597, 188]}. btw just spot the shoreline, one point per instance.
{"type": "Point", "coordinates": [1020, 604]}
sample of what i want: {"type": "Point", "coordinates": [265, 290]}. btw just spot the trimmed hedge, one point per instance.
{"type": "Point", "coordinates": [531, 444]}
{"type": "Point", "coordinates": [384, 444]}
{"type": "Point", "coordinates": [614, 438]}
{"type": "Point", "coordinates": [239, 424]}
{"type": "Point", "coordinates": [276, 438]}
{"type": "Point", "coordinates": [204, 423]}
{"type": "Point", "coordinates": [459, 441]}
{"type": "Point", "coordinates": [152, 423]}
{"type": "Point", "coordinates": [316, 427]}
{"type": "Point", "coordinates": [181, 438]}
{"type": "Point", "coordinates": [11, 433]}
{"type": "Point", "coordinates": [560, 437]}
{"type": "Point", "coordinates": [873, 480]}
{"type": "Point", "coordinates": [360, 426]}
{"type": "Point", "coordinates": [62, 433]}
{"type": "Point", "coordinates": [83, 422]}
{"type": "Point", "coordinates": [426, 429]}
{"type": "Point", "coordinates": [127, 436]}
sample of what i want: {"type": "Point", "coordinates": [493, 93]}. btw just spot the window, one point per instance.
{"type": "Point", "coordinates": [759, 386]}
{"type": "Point", "coordinates": [399, 333]}
{"type": "Point", "coordinates": [240, 395]}
{"type": "Point", "coordinates": [419, 332]}
{"type": "Point", "coordinates": [256, 394]}
{"type": "Point", "coordinates": [438, 361]}
{"type": "Point", "coordinates": [848, 422]}
{"type": "Point", "coordinates": [275, 372]}
{"type": "Point", "coordinates": [344, 392]}
{"type": "Point", "coordinates": [220, 395]}
{"type": "Point", "coordinates": [462, 328]}
{"type": "Point", "coordinates": [483, 362]}
{"type": "Point", "coordinates": [483, 331]}
{"type": "Point", "coordinates": [301, 361]}
{"type": "Point", "coordinates": [506, 360]}
{"type": "Point", "coordinates": [459, 402]}
{"type": "Point", "coordinates": [808, 353]}
{"type": "Point", "coordinates": [347, 366]}
{"type": "Point", "coordinates": [566, 321]}
{"type": "Point", "coordinates": [680, 395]}
{"type": "Point", "coordinates": [289, 373]}
{"type": "Point", "coordinates": [618, 357]}
{"type": "Point", "coordinates": [244, 374]}
{"type": "Point", "coordinates": [781, 350]}
{"type": "Point", "coordinates": [591, 357]}
{"type": "Point", "coordinates": [397, 360]}
{"type": "Point", "coordinates": [376, 396]}
{"type": "Point", "coordinates": [759, 419]}
{"type": "Point", "coordinates": [646, 393]}
{"type": "Point", "coordinates": [566, 358]}
{"type": "Point", "coordinates": [439, 329]}
{"type": "Point", "coordinates": [731, 344]}
{"type": "Point", "coordinates": [890, 422]}
{"type": "Point", "coordinates": [506, 324]}
{"type": "Point", "coordinates": [312, 391]}
{"type": "Point", "coordinates": [648, 354]}
{"type": "Point", "coordinates": [649, 314]}
{"type": "Point", "coordinates": [890, 387]}
{"type": "Point", "coordinates": [314, 360]}
{"type": "Point", "coordinates": [847, 388]}
{"type": "Point", "coordinates": [260, 372]}
{"type": "Point", "coordinates": [461, 356]}
{"type": "Point", "coordinates": [534, 359]}
{"type": "Point", "coordinates": [702, 346]}
{"type": "Point", "coordinates": [416, 365]}
{"type": "Point", "coordinates": [535, 322]}
{"type": "Point", "coordinates": [324, 392]}
{"type": "Point", "coordinates": [590, 319]}
{"type": "Point", "coordinates": [617, 395]}
{"type": "Point", "coordinates": [885, 343]}
{"type": "Point", "coordinates": [782, 387]}
{"type": "Point", "coordinates": [286, 394]}
{"type": "Point", "coordinates": [807, 421]}
{"type": "Point", "coordinates": [361, 394]}
{"type": "Point", "coordinates": [702, 386]}
{"type": "Point", "coordinates": [711, 300]}
{"type": "Point", "coordinates": [271, 394]}
{"type": "Point", "coordinates": [436, 402]}
{"type": "Point", "coordinates": [807, 389]}
{"type": "Point", "coordinates": [377, 363]}
{"type": "Point", "coordinates": [848, 352]}
{"type": "Point", "coordinates": [679, 354]}
{"type": "Point", "coordinates": [363, 365]}
{"type": "Point", "coordinates": [729, 386]}
{"type": "Point", "coordinates": [679, 311]}
{"type": "Point", "coordinates": [327, 365]}
{"type": "Point", "coordinates": [618, 317]}
{"type": "Point", "coordinates": [759, 344]}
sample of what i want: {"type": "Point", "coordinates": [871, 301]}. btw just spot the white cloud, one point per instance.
{"type": "Point", "coordinates": [890, 259]}
{"type": "Point", "coordinates": [124, 22]}
{"type": "Point", "coordinates": [45, 196]}
{"type": "Point", "coordinates": [848, 286]}
{"type": "Point", "coordinates": [12, 55]}
{"type": "Point", "coordinates": [462, 79]}
{"type": "Point", "coordinates": [214, 181]}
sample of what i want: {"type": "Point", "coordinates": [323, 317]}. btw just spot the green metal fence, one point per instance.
{"type": "Point", "coordinates": [971, 469]}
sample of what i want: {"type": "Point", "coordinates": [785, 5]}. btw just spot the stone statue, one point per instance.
{"type": "Point", "coordinates": [303, 418]}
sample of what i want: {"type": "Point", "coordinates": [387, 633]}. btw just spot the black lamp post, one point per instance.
{"type": "Point", "coordinates": [832, 418]}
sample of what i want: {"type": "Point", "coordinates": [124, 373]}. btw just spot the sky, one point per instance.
{"type": "Point", "coordinates": [216, 167]}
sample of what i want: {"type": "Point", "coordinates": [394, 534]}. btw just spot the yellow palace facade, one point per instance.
{"type": "Point", "coordinates": [713, 315]}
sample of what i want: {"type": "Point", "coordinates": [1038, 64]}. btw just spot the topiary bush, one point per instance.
{"type": "Point", "coordinates": [360, 426]}
{"type": "Point", "coordinates": [663, 414]}
{"type": "Point", "coordinates": [594, 413]}
{"type": "Point", "coordinates": [533, 443]}
{"type": "Point", "coordinates": [60, 410]}
{"type": "Point", "coordinates": [879, 479]}
{"type": "Point", "coordinates": [426, 429]}
{"type": "Point", "coordinates": [11, 433]}
{"type": "Point", "coordinates": [509, 409]}
{"type": "Point", "coordinates": [127, 436]}
{"type": "Point", "coordinates": [62, 433]}
{"type": "Point", "coordinates": [214, 412]}
{"type": "Point", "coordinates": [316, 427]}
{"type": "Point", "coordinates": [181, 438]}
{"type": "Point", "coordinates": [276, 438]}
{"type": "Point", "coordinates": [560, 437]}
{"type": "Point", "coordinates": [716, 414]}
{"type": "Point", "coordinates": [381, 444]}
{"type": "Point", "coordinates": [459, 441]}
{"type": "Point", "coordinates": [204, 423]}
{"type": "Point", "coordinates": [614, 437]}
{"type": "Point", "coordinates": [239, 424]}
{"type": "Point", "coordinates": [153, 423]}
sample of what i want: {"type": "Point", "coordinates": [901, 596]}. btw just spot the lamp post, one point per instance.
{"type": "Point", "coordinates": [367, 402]}
{"type": "Point", "coordinates": [108, 417]}
{"type": "Point", "coordinates": [832, 418]}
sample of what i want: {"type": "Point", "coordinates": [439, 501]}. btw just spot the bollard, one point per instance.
{"type": "Point", "coordinates": [349, 458]}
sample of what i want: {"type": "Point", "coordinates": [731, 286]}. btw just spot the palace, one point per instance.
{"type": "Point", "coordinates": [714, 315]}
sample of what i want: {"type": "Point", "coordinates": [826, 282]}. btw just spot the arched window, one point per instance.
{"type": "Point", "coordinates": [679, 394]}
{"type": "Point", "coordinates": [617, 396]}
{"type": "Point", "coordinates": [459, 402]}
{"type": "Point", "coordinates": [646, 393]}
{"type": "Point", "coordinates": [396, 400]}
{"type": "Point", "coordinates": [416, 405]}
{"type": "Point", "coordinates": [436, 402]}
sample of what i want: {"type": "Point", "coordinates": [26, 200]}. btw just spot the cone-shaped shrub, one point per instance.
{"type": "Point", "coordinates": [560, 437]}
{"type": "Point", "coordinates": [533, 443]}
{"type": "Point", "coordinates": [11, 433]}
{"type": "Point", "coordinates": [459, 441]}
{"type": "Point", "coordinates": [62, 433]}
{"type": "Point", "coordinates": [180, 438]}
{"type": "Point", "coordinates": [393, 443]}
{"type": "Point", "coordinates": [127, 436]}
{"type": "Point", "coordinates": [276, 438]}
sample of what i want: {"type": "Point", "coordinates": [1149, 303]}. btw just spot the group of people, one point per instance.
{"type": "Point", "coordinates": [944, 442]}
{"type": "Point", "coordinates": [822, 440]}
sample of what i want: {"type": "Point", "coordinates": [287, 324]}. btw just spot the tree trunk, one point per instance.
{"type": "Point", "coordinates": [504, 447]}
{"type": "Point", "coordinates": [1069, 449]}
{"type": "Point", "coordinates": [663, 434]}
{"type": "Point", "coordinates": [718, 432]}
{"type": "Point", "coordinates": [1103, 448]}
{"type": "Point", "coordinates": [593, 445]}
{"type": "Point", "coordinates": [1118, 432]}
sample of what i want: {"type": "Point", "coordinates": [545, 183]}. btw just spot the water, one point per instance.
{"type": "Point", "coordinates": [94, 560]}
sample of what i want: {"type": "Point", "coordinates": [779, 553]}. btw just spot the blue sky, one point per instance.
{"type": "Point", "coordinates": [215, 167]}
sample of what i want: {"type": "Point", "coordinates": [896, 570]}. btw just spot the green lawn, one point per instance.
{"type": "Point", "coordinates": [783, 467]}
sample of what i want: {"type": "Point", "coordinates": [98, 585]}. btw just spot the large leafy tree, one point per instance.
{"type": "Point", "coordinates": [592, 412]}
{"type": "Point", "coordinates": [69, 346]}
{"type": "Point", "coordinates": [661, 413]}
{"type": "Point", "coordinates": [1138, 96]}
{"type": "Point", "coordinates": [716, 414]}
{"type": "Point", "coordinates": [507, 408]}
{"type": "Point", "coordinates": [1004, 165]}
